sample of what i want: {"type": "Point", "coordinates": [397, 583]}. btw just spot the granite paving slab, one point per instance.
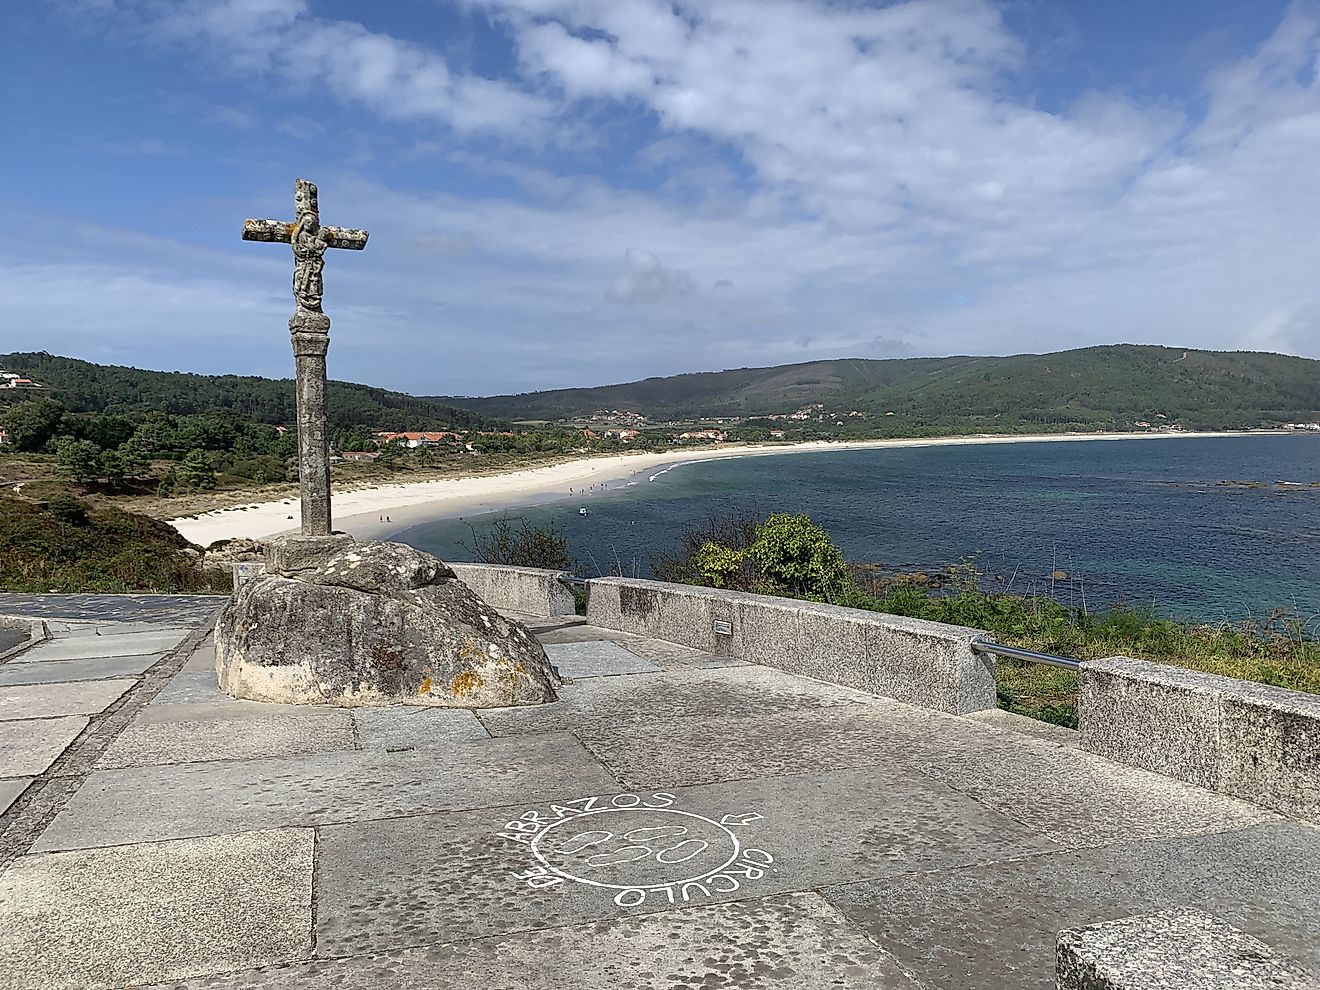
{"type": "Point", "coordinates": [202, 659]}
{"type": "Point", "coordinates": [243, 738]}
{"type": "Point", "coordinates": [227, 710]}
{"type": "Point", "coordinates": [28, 701]}
{"type": "Point", "coordinates": [75, 670]}
{"type": "Point", "coordinates": [576, 632]}
{"type": "Point", "coordinates": [10, 789]}
{"type": "Point", "coordinates": [673, 656]}
{"type": "Point", "coordinates": [191, 687]}
{"type": "Point", "coordinates": [404, 727]}
{"type": "Point", "coordinates": [66, 629]}
{"type": "Point", "coordinates": [108, 645]}
{"type": "Point", "coordinates": [615, 701]}
{"type": "Point", "coordinates": [596, 658]}
{"type": "Point", "coordinates": [175, 609]}
{"type": "Point", "coordinates": [156, 911]}
{"type": "Point", "coordinates": [29, 747]}
{"type": "Point", "coordinates": [796, 941]}
{"type": "Point", "coordinates": [144, 803]}
{"type": "Point", "coordinates": [459, 875]}
{"type": "Point", "coordinates": [994, 927]}
{"type": "Point", "coordinates": [1054, 789]}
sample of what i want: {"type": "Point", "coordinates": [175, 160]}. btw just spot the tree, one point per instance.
{"type": "Point", "coordinates": [120, 466]}
{"type": "Point", "coordinates": [195, 472]}
{"type": "Point", "coordinates": [33, 424]}
{"type": "Point", "coordinates": [78, 459]}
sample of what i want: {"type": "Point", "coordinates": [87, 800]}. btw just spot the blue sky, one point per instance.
{"type": "Point", "coordinates": [575, 192]}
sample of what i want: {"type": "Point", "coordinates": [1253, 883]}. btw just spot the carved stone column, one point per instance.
{"type": "Point", "coordinates": [311, 340]}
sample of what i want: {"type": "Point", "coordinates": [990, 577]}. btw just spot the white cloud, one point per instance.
{"type": "Point", "coordinates": [844, 179]}
{"type": "Point", "coordinates": [645, 280]}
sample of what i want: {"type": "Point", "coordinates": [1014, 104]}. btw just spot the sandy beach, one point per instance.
{"type": "Point", "coordinates": [376, 512]}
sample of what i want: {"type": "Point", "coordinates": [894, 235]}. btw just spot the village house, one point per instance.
{"type": "Point", "coordinates": [716, 435]}
{"type": "Point", "coordinates": [361, 455]}
{"type": "Point", "coordinates": [9, 379]}
{"type": "Point", "coordinates": [421, 439]}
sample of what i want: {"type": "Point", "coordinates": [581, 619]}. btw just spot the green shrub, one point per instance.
{"type": "Point", "coordinates": [799, 558]}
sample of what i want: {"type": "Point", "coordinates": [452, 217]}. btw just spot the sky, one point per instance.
{"type": "Point", "coordinates": [581, 192]}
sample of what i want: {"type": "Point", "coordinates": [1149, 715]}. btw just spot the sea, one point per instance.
{"type": "Point", "coordinates": [1202, 529]}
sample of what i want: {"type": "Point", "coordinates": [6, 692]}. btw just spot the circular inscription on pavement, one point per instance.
{"type": "Point", "coordinates": [636, 848]}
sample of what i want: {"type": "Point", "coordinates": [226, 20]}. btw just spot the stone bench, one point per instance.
{"type": "Point", "coordinates": [1250, 741]}
{"type": "Point", "coordinates": [1173, 950]}
{"type": "Point", "coordinates": [910, 660]}
{"type": "Point", "coordinates": [530, 590]}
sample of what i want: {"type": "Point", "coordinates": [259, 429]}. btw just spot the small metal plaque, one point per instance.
{"type": "Point", "coordinates": [723, 627]}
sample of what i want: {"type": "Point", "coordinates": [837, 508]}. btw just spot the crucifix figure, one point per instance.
{"type": "Point", "coordinates": [310, 328]}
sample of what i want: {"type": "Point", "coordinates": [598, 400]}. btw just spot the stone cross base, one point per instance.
{"type": "Point", "coordinates": [289, 556]}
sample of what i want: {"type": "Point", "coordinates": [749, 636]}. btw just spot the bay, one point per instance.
{"type": "Point", "coordinates": [1133, 521]}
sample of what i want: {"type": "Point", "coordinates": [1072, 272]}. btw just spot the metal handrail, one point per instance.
{"type": "Point", "coordinates": [572, 582]}
{"type": "Point", "coordinates": [1017, 653]}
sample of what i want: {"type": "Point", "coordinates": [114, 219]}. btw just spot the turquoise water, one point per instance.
{"type": "Point", "coordinates": [1134, 521]}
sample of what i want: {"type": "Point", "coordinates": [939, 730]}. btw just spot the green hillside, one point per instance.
{"type": "Point", "coordinates": [1099, 387]}
{"type": "Point", "coordinates": [83, 387]}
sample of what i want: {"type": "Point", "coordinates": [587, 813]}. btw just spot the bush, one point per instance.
{"type": "Point", "coordinates": [733, 533]}
{"type": "Point", "coordinates": [521, 545]}
{"type": "Point", "coordinates": [69, 546]}
{"type": "Point", "coordinates": [799, 558]}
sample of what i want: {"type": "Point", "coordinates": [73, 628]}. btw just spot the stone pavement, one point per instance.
{"type": "Point", "coordinates": [676, 820]}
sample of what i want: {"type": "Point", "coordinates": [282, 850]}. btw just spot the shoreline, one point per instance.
{"type": "Point", "coordinates": [364, 512]}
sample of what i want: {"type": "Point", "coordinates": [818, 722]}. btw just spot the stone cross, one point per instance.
{"type": "Point", "coordinates": [310, 328]}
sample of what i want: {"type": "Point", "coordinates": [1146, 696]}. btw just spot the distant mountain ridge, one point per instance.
{"type": "Point", "coordinates": [84, 387]}
{"type": "Point", "coordinates": [1099, 387]}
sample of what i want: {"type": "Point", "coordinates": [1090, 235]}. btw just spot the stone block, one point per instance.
{"type": "Point", "coordinates": [529, 590]}
{"type": "Point", "coordinates": [1270, 748]}
{"type": "Point", "coordinates": [291, 555]}
{"type": "Point", "coordinates": [1250, 741]}
{"type": "Point", "coordinates": [1172, 950]}
{"type": "Point", "coordinates": [1151, 716]}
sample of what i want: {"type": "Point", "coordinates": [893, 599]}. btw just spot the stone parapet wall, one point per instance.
{"type": "Point", "coordinates": [1249, 741]}
{"type": "Point", "coordinates": [929, 664]}
{"type": "Point", "coordinates": [529, 590]}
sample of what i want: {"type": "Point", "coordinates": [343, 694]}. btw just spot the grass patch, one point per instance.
{"type": "Point", "coordinates": [1281, 650]}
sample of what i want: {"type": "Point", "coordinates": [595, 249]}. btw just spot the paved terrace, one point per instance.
{"type": "Point", "coordinates": [676, 820]}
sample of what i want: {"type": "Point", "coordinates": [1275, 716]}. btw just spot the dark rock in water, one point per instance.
{"type": "Point", "coordinates": [376, 624]}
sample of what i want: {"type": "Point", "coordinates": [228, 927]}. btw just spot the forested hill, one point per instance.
{"type": "Point", "coordinates": [83, 387]}
{"type": "Point", "coordinates": [1100, 387]}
